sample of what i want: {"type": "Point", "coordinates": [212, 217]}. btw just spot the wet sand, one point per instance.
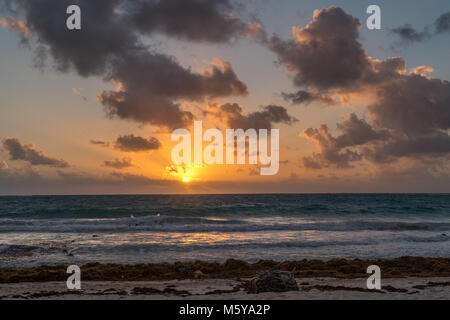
{"type": "Point", "coordinates": [226, 289]}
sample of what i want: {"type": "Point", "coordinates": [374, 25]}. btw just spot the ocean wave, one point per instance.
{"type": "Point", "coordinates": [208, 224]}
{"type": "Point", "coordinates": [17, 250]}
{"type": "Point", "coordinates": [259, 245]}
{"type": "Point", "coordinates": [287, 205]}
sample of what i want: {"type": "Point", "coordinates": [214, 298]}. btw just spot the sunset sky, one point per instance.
{"type": "Point", "coordinates": [92, 111]}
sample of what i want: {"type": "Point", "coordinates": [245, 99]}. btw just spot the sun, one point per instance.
{"type": "Point", "coordinates": [186, 180]}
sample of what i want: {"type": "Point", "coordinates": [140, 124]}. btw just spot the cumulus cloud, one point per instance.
{"type": "Point", "coordinates": [325, 53]}
{"type": "Point", "coordinates": [357, 132]}
{"type": "Point", "coordinates": [28, 153]}
{"type": "Point", "coordinates": [325, 57]}
{"type": "Point", "coordinates": [119, 163]}
{"type": "Point", "coordinates": [150, 85]}
{"type": "Point", "coordinates": [410, 117]}
{"type": "Point", "coordinates": [132, 143]}
{"type": "Point", "coordinates": [407, 115]}
{"type": "Point", "coordinates": [233, 115]}
{"type": "Point", "coordinates": [412, 104]}
{"type": "Point", "coordinates": [339, 151]}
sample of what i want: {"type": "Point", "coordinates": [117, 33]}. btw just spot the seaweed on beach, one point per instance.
{"type": "Point", "coordinates": [232, 269]}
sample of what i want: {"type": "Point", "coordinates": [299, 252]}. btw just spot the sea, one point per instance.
{"type": "Point", "coordinates": [133, 229]}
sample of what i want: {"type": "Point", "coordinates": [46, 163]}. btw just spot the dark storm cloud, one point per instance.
{"type": "Point", "coordinates": [151, 85]}
{"type": "Point", "coordinates": [132, 143]}
{"type": "Point", "coordinates": [28, 153]}
{"type": "Point", "coordinates": [306, 97]}
{"type": "Point", "coordinates": [193, 20]}
{"type": "Point", "coordinates": [119, 163]}
{"type": "Point", "coordinates": [232, 114]}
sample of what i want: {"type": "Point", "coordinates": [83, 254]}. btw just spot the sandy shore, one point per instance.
{"type": "Point", "coordinates": [225, 289]}
{"type": "Point", "coordinates": [402, 278]}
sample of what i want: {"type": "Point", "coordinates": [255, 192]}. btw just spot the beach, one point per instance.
{"type": "Point", "coordinates": [402, 278]}
{"type": "Point", "coordinates": [210, 246]}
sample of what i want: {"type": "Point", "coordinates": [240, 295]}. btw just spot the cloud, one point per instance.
{"type": "Point", "coordinates": [119, 163]}
{"type": "Point", "coordinates": [325, 53]}
{"type": "Point", "coordinates": [357, 132]}
{"type": "Point", "coordinates": [325, 57]}
{"type": "Point", "coordinates": [422, 70]}
{"type": "Point", "coordinates": [442, 24]}
{"type": "Point", "coordinates": [306, 97]}
{"type": "Point", "coordinates": [99, 143]}
{"type": "Point", "coordinates": [413, 105]}
{"type": "Point", "coordinates": [150, 85]}
{"type": "Point", "coordinates": [132, 143]}
{"type": "Point", "coordinates": [408, 34]}
{"type": "Point", "coordinates": [3, 165]}
{"type": "Point", "coordinates": [232, 114]}
{"type": "Point", "coordinates": [78, 93]}
{"type": "Point", "coordinates": [388, 178]}
{"type": "Point", "coordinates": [28, 153]}
{"type": "Point", "coordinates": [28, 181]}
{"type": "Point", "coordinates": [340, 151]}
{"type": "Point", "coordinates": [15, 25]}
{"type": "Point", "coordinates": [192, 20]}
{"type": "Point", "coordinates": [408, 115]}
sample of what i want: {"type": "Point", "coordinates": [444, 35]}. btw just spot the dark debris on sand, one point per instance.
{"type": "Point", "coordinates": [231, 269]}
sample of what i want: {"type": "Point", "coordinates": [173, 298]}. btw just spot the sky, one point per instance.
{"type": "Point", "coordinates": [92, 111]}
